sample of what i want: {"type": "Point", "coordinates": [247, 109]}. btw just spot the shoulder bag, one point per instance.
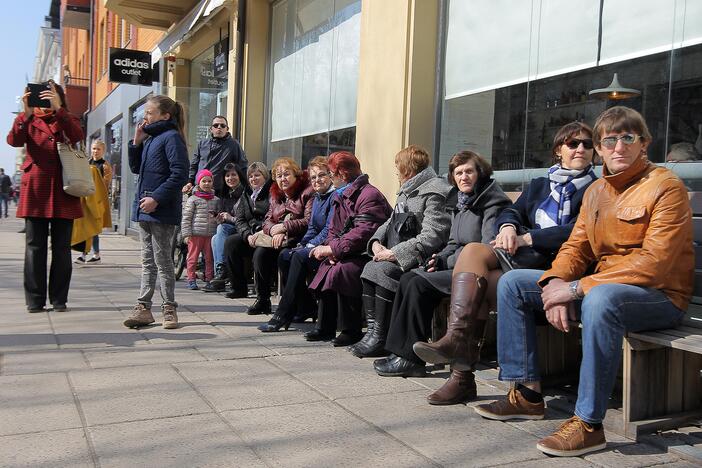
{"type": "Point", "coordinates": [77, 179]}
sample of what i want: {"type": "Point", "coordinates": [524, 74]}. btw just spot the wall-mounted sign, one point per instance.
{"type": "Point", "coordinates": [130, 66]}
{"type": "Point", "coordinates": [221, 58]}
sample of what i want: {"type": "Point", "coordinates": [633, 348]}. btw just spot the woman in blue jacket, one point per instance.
{"type": "Point", "coordinates": [296, 264]}
{"type": "Point", "coordinates": [159, 156]}
{"type": "Point", "coordinates": [530, 232]}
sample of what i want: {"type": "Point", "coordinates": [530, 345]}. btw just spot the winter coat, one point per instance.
{"type": "Point", "coordinates": [522, 215]}
{"type": "Point", "coordinates": [349, 249]}
{"type": "Point", "coordinates": [197, 219]}
{"type": "Point", "coordinates": [317, 228]}
{"type": "Point", "coordinates": [42, 179]}
{"type": "Point", "coordinates": [250, 214]}
{"type": "Point", "coordinates": [97, 214]}
{"type": "Point", "coordinates": [213, 154]}
{"type": "Point", "coordinates": [105, 171]}
{"type": "Point", "coordinates": [297, 208]}
{"type": "Point", "coordinates": [162, 164]}
{"type": "Point", "coordinates": [475, 223]}
{"type": "Point", "coordinates": [427, 197]}
{"type": "Point", "coordinates": [229, 200]}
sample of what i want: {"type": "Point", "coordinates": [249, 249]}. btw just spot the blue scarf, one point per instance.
{"type": "Point", "coordinates": [556, 209]}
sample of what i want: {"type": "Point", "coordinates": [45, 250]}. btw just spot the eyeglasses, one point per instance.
{"type": "Point", "coordinates": [611, 141]}
{"type": "Point", "coordinates": [218, 125]}
{"type": "Point", "coordinates": [321, 175]}
{"type": "Point", "coordinates": [575, 142]}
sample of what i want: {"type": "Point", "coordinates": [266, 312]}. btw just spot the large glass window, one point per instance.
{"type": "Point", "coordinates": [207, 92]}
{"type": "Point", "coordinates": [313, 73]}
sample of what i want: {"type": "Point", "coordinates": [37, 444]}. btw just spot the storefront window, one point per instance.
{"type": "Point", "coordinates": [315, 50]}
{"type": "Point", "coordinates": [129, 188]}
{"type": "Point", "coordinates": [208, 90]}
{"type": "Point", "coordinates": [113, 154]}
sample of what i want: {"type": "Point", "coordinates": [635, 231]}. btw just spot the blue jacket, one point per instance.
{"type": "Point", "coordinates": [522, 215]}
{"type": "Point", "coordinates": [321, 213]}
{"type": "Point", "coordinates": [161, 162]}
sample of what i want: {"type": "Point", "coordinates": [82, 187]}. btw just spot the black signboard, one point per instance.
{"type": "Point", "coordinates": [130, 66]}
{"type": "Point", "coordinates": [221, 58]}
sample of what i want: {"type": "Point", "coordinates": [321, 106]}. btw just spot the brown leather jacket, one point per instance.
{"type": "Point", "coordinates": [637, 227]}
{"type": "Point", "coordinates": [293, 211]}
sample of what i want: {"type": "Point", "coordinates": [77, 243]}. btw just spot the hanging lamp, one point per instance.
{"type": "Point", "coordinates": [615, 91]}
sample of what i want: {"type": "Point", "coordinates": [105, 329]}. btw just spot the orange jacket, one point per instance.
{"type": "Point", "coordinates": [637, 227]}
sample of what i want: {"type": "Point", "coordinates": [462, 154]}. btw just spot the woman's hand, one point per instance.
{"type": "Point", "coordinates": [278, 239]}
{"type": "Point", "coordinates": [278, 229]}
{"type": "Point", "coordinates": [252, 239]}
{"type": "Point", "coordinates": [377, 247]}
{"type": "Point", "coordinates": [28, 111]}
{"type": "Point", "coordinates": [221, 217]}
{"type": "Point", "coordinates": [186, 240]}
{"type": "Point", "coordinates": [431, 264]}
{"type": "Point", "coordinates": [321, 252]}
{"type": "Point", "coordinates": [52, 96]}
{"type": "Point", "coordinates": [385, 255]}
{"type": "Point", "coordinates": [506, 239]}
{"type": "Point", "coordinates": [139, 134]}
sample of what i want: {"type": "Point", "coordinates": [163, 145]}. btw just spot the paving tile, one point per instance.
{"type": "Point", "coordinates": [246, 383]}
{"type": "Point", "coordinates": [623, 453]}
{"type": "Point", "coordinates": [186, 441]}
{"type": "Point", "coordinates": [130, 357]}
{"type": "Point", "coordinates": [42, 362]}
{"type": "Point", "coordinates": [35, 403]}
{"type": "Point", "coordinates": [232, 349]}
{"type": "Point", "coordinates": [134, 393]}
{"type": "Point", "coordinates": [64, 448]}
{"type": "Point", "coordinates": [319, 434]}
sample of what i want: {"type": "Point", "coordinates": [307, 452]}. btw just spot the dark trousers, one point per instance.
{"type": "Point", "coordinates": [37, 234]}
{"type": "Point", "coordinates": [295, 266]}
{"type": "Point", "coordinates": [412, 312]}
{"type": "Point", "coordinates": [335, 308]}
{"type": "Point", "coordinates": [236, 250]}
{"type": "Point", "coordinates": [262, 258]}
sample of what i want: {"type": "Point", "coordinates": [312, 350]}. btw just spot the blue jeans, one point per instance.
{"type": "Point", "coordinates": [224, 230]}
{"type": "Point", "coordinates": [4, 201]}
{"type": "Point", "coordinates": [607, 312]}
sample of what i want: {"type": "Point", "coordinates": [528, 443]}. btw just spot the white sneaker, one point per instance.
{"type": "Point", "coordinates": [93, 260]}
{"type": "Point", "coordinates": [80, 260]}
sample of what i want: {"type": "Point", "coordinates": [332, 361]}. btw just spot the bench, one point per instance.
{"type": "Point", "coordinates": [662, 388]}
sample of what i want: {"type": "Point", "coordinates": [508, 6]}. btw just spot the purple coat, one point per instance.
{"type": "Point", "coordinates": [359, 198]}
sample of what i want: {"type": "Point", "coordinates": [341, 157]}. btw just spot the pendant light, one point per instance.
{"type": "Point", "coordinates": [615, 91]}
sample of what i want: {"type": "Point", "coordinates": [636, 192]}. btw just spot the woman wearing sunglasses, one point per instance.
{"type": "Point", "coordinates": [530, 232]}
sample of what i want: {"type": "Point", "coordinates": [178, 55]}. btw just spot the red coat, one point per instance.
{"type": "Point", "coordinates": [42, 194]}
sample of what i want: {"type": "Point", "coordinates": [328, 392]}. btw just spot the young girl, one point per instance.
{"type": "Point", "coordinates": [160, 157]}
{"type": "Point", "coordinates": [199, 225]}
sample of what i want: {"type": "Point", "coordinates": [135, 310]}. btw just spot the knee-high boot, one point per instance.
{"type": "Point", "coordinates": [373, 344]}
{"type": "Point", "coordinates": [460, 345]}
{"type": "Point", "coordinates": [368, 302]}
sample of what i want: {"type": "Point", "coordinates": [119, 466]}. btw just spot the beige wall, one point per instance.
{"type": "Point", "coordinates": [396, 84]}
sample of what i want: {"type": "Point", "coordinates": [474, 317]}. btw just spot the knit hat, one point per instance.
{"type": "Point", "coordinates": [202, 173]}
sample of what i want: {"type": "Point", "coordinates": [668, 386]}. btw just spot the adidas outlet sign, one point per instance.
{"type": "Point", "coordinates": [130, 66]}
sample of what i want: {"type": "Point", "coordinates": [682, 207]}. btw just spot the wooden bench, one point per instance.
{"type": "Point", "coordinates": [662, 387]}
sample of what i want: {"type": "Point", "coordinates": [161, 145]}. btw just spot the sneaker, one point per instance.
{"type": "Point", "coordinates": [170, 317]}
{"type": "Point", "coordinates": [515, 406]}
{"type": "Point", "coordinates": [80, 260]}
{"type": "Point", "coordinates": [94, 260]}
{"type": "Point", "coordinates": [140, 316]}
{"type": "Point", "coordinates": [574, 438]}
{"type": "Point", "coordinates": [192, 285]}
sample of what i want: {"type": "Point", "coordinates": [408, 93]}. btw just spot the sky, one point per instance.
{"type": "Point", "coordinates": [19, 33]}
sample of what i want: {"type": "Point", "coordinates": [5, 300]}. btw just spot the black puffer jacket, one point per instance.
{"type": "Point", "coordinates": [250, 214]}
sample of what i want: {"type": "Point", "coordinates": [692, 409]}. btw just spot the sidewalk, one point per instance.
{"type": "Point", "coordinates": [79, 389]}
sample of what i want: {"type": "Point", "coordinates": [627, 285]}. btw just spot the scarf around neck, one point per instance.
{"type": "Point", "coordinates": [556, 209]}
{"type": "Point", "coordinates": [204, 195]}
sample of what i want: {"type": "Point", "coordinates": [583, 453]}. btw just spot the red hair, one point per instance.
{"type": "Point", "coordinates": [343, 161]}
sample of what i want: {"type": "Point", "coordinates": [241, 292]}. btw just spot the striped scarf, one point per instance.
{"type": "Point", "coordinates": [556, 210]}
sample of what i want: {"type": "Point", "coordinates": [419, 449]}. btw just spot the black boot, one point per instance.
{"type": "Point", "coordinates": [368, 301]}
{"type": "Point", "coordinates": [261, 306]}
{"type": "Point", "coordinates": [373, 344]}
{"type": "Point", "coordinates": [397, 366]}
{"type": "Point", "coordinates": [221, 275]}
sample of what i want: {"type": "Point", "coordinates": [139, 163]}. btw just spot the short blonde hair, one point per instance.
{"type": "Point", "coordinates": [287, 162]}
{"type": "Point", "coordinates": [320, 162]}
{"type": "Point", "coordinates": [411, 161]}
{"type": "Point", "coordinates": [258, 167]}
{"type": "Point", "coordinates": [99, 142]}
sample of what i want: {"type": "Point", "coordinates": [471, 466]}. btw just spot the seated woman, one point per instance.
{"type": "Point", "coordinates": [480, 201]}
{"type": "Point", "coordinates": [234, 187]}
{"type": "Point", "coordinates": [530, 233]}
{"type": "Point", "coordinates": [416, 230]}
{"type": "Point", "coordinates": [250, 214]}
{"type": "Point", "coordinates": [296, 264]}
{"type": "Point", "coordinates": [358, 212]}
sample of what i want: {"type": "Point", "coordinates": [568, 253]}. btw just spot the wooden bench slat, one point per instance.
{"type": "Point", "coordinates": [686, 344]}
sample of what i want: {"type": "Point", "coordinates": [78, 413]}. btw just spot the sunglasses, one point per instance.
{"type": "Point", "coordinates": [574, 143]}
{"type": "Point", "coordinates": [611, 141]}
{"type": "Point", "coordinates": [219, 125]}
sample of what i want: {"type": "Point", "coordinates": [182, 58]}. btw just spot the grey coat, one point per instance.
{"type": "Point", "coordinates": [474, 224]}
{"type": "Point", "coordinates": [431, 199]}
{"type": "Point", "coordinates": [197, 220]}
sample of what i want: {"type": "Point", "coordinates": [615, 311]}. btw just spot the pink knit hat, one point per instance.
{"type": "Point", "coordinates": [202, 173]}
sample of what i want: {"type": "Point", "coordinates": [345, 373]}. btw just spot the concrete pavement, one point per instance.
{"type": "Point", "coordinates": [79, 389]}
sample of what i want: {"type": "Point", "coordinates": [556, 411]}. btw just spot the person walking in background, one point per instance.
{"type": "Point", "coordinates": [5, 191]}
{"type": "Point", "coordinates": [44, 205]}
{"type": "Point", "coordinates": [97, 151]}
{"type": "Point", "coordinates": [214, 153]}
{"type": "Point", "coordinates": [97, 215]}
{"type": "Point", "coordinates": [199, 225]}
{"type": "Point", "coordinates": [159, 156]}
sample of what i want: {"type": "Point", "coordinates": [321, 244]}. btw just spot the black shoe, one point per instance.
{"type": "Point", "coordinates": [400, 367]}
{"type": "Point", "coordinates": [261, 306]}
{"type": "Point", "coordinates": [303, 318]}
{"type": "Point", "coordinates": [274, 325]}
{"type": "Point", "coordinates": [35, 310]}
{"type": "Point", "coordinates": [213, 287]}
{"type": "Point", "coordinates": [318, 335]}
{"type": "Point", "coordinates": [381, 361]}
{"type": "Point", "coordinates": [59, 307]}
{"type": "Point", "coordinates": [237, 294]}
{"type": "Point", "coordinates": [346, 339]}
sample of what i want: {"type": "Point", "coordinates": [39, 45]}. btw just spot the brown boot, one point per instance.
{"type": "Point", "coordinates": [140, 317]}
{"type": "Point", "coordinates": [459, 388]}
{"type": "Point", "coordinates": [460, 344]}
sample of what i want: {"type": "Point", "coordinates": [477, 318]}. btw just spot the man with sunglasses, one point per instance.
{"type": "Point", "coordinates": [635, 228]}
{"type": "Point", "coordinates": [214, 153]}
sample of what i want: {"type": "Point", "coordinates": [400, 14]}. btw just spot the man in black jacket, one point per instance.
{"type": "Point", "coordinates": [5, 190]}
{"type": "Point", "coordinates": [214, 153]}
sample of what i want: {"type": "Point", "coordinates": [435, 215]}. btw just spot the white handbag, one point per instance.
{"type": "Point", "coordinates": [77, 179]}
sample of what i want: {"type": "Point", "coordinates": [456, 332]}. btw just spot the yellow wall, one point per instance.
{"type": "Point", "coordinates": [396, 84]}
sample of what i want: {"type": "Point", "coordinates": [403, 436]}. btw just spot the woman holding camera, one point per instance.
{"type": "Point", "coordinates": [44, 205]}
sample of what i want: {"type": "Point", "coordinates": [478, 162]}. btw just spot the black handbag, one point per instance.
{"type": "Point", "coordinates": [402, 227]}
{"type": "Point", "coordinates": [523, 258]}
